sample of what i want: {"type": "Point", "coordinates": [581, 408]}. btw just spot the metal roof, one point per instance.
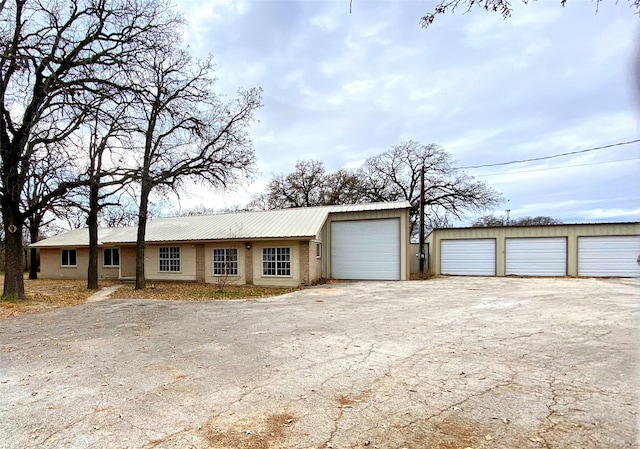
{"type": "Point", "coordinates": [558, 225]}
{"type": "Point", "coordinates": [283, 223]}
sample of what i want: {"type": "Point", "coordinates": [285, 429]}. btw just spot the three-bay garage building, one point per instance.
{"type": "Point", "coordinates": [597, 250]}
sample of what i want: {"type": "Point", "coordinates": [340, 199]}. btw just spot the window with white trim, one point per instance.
{"type": "Point", "coordinates": [170, 259]}
{"type": "Point", "coordinates": [69, 258]}
{"type": "Point", "coordinates": [318, 250]}
{"type": "Point", "coordinates": [111, 257]}
{"type": "Point", "coordinates": [225, 262]}
{"type": "Point", "coordinates": [276, 261]}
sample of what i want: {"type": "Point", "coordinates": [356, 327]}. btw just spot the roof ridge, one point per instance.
{"type": "Point", "coordinates": [297, 208]}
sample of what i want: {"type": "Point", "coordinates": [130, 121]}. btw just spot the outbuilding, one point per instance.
{"type": "Point", "coordinates": [598, 250]}
{"type": "Point", "coordinates": [286, 247]}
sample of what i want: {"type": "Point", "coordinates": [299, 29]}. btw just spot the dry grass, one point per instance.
{"type": "Point", "coordinates": [189, 291]}
{"type": "Point", "coordinates": [46, 294]}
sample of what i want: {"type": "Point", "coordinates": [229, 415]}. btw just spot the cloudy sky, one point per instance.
{"type": "Point", "coordinates": [341, 86]}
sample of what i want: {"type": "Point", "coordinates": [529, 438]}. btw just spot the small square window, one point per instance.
{"type": "Point", "coordinates": [69, 258]}
{"type": "Point", "coordinates": [111, 257]}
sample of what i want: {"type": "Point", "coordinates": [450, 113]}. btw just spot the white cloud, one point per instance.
{"type": "Point", "coordinates": [326, 22]}
{"type": "Point", "coordinates": [342, 87]}
{"type": "Point", "coordinates": [359, 87]}
{"type": "Point", "coordinates": [607, 214]}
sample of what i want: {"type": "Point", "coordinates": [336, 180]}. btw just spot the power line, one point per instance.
{"type": "Point", "coordinates": [555, 168]}
{"type": "Point", "coordinates": [552, 156]}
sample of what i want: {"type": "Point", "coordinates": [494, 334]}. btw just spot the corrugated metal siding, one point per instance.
{"type": "Point", "coordinates": [401, 213]}
{"type": "Point", "coordinates": [567, 230]}
{"type": "Point", "coordinates": [538, 256]}
{"type": "Point", "coordinates": [370, 207]}
{"type": "Point", "coordinates": [570, 231]}
{"type": "Point", "coordinates": [470, 257]}
{"type": "Point", "coordinates": [609, 256]}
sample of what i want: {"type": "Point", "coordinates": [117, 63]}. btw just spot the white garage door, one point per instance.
{"type": "Point", "coordinates": [609, 256]}
{"type": "Point", "coordinates": [471, 257]}
{"type": "Point", "coordinates": [365, 249]}
{"type": "Point", "coordinates": [536, 256]}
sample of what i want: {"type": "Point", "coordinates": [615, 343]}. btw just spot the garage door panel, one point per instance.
{"type": "Point", "coordinates": [536, 256]}
{"type": "Point", "coordinates": [468, 257]}
{"type": "Point", "coordinates": [609, 256]}
{"type": "Point", "coordinates": [366, 249]}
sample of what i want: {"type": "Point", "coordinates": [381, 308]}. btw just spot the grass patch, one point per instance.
{"type": "Point", "coordinates": [46, 294]}
{"type": "Point", "coordinates": [189, 291]}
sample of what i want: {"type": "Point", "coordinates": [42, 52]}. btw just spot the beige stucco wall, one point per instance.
{"type": "Point", "coordinates": [187, 263]}
{"type": "Point", "coordinates": [402, 214]}
{"type": "Point", "coordinates": [315, 262]}
{"type": "Point", "coordinates": [304, 262]}
{"type": "Point", "coordinates": [500, 234]}
{"type": "Point", "coordinates": [127, 262]}
{"type": "Point", "coordinates": [310, 263]}
{"type": "Point", "coordinates": [51, 265]}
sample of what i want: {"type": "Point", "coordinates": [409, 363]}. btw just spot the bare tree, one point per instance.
{"type": "Point", "coordinates": [502, 7]}
{"type": "Point", "coordinates": [308, 185]}
{"type": "Point", "coordinates": [302, 188]}
{"type": "Point", "coordinates": [55, 56]}
{"type": "Point", "coordinates": [449, 193]}
{"type": "Point", "coordinates": [343, 187]}
{"type": "Point", "coordinates": [390, 176]}
{"type": "Point", "coordinates": [489, 221]}
{"type": "Point", "coordinates": [187, 131]}
{"type": "Point", "coordinates": [493, 221]}
{"type": "Point", "coordinates": [50, 167]}
{"type": "Point", "coordinates": [540, 220]}
{"type": "Point", "coordinates": [203, 210]}
{"type": "Point", "coordinates": [110, 128]}
{"type": "Point", "coordinates": [123, 211]}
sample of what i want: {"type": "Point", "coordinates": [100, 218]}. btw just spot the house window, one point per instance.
{"type": "Point", "coordinates": [276, 261]}
{"type": "Point", "coordinates": [69, 258]}
{"type": "Point", "coordinates": [170, 259]}
{"type": "Point", "coordinates": [111, 257]}
{"type": "Point", "coordinates": [318, 250]}
{"type": "Point", "coordinates": [225, 262]}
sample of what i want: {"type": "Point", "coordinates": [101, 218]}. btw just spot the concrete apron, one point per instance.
{"type": "Point", "coordinates": [446, 363]}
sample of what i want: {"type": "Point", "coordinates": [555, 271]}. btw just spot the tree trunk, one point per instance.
{"type": "Point", "coordinates": [34, 227]}
{"type": "Point", "coordinates": [92, 222]}
{"type": "Point", "coordinates": [13, 251]}
{"type": "Point", "coordinates": [142, 227]}
{"type": "Point", "coordinates": [33, 265]}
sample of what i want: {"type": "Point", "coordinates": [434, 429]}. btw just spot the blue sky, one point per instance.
{"type": "Point", "coordinates": [341, 86]}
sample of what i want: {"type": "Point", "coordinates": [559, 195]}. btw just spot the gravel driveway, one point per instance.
{"type": "Point", "coordinates": [446, 363]}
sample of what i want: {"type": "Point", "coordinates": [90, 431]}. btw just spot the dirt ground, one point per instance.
{"type": "Point", "coordinates": [449, 363]}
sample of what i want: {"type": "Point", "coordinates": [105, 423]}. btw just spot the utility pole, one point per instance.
{"type": "Point", "coordinates": [422, 255]}
{"type": "Point", "coordinates": [507, 211]}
